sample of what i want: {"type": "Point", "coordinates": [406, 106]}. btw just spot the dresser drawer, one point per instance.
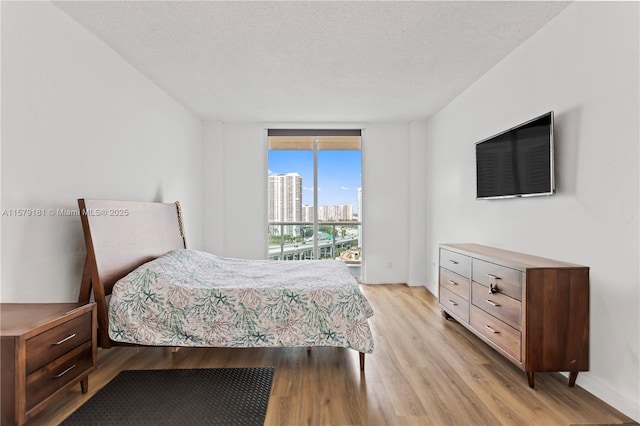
{"type": "Point", "coordinates": [49, 345]}
{"type": "Point", "coordinates": [454, 303]}
{"type": "Point", "coordinates": [455, 283]}
{"type": "Point", "coordinates": [505, 280]}
{"type": "Point", "coordinates": [47, 380]}
{"type": "Point", "coordinates": [499, 305]}
{"type": "Point", "coordinates": [458, 263]}
{"type": "Point", "coordinates": [506, 337]}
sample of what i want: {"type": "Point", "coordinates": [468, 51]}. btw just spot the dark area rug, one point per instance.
{"type": "Point", "coordinates": [203, 396]}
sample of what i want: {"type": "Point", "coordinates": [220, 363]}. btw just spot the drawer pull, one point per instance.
{"type": "Point", "coordinates": [492, 303]}
{"type": "Point", "coordinates": [57, 376]}
{"type": "Point", "coordinates": [453, 303]}
{"type": "Point", "coordinates": [493, 277]}
{"type": "Point", "coordinates": [453, 261]}
{"type": "Point", "coordinates": [452, 282]}
{"type": "Point", "coordinates": [491, 329]}
{"type": "Point", "coordinates": [65, 339]}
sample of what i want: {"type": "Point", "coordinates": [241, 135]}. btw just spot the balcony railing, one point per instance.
{"type": "Point", "coordinates": [335, 240]}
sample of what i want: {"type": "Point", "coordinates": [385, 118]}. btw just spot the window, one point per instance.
{"type": "Point", "coordinates": [314, 195]}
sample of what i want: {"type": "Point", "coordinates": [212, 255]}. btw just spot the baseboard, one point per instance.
{"type": "Point", "coordinates": [620, 402]}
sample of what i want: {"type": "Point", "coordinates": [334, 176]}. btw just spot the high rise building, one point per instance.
{"type": "Point", "coordinates": [346, 212]}
{"type": "Point", "coordinates": [334, 213]}
{"type": "Point", "coordinates": [285, 198]}
{"type": "Point", "coordinates": [307, 213]}
{"type": "Point", "coordinates": [323, 214]}
{"type": "Point", "coordinates": [360, 217]}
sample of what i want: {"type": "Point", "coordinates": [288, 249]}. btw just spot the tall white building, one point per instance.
{"type": "Point", "coordinates": [334, 213]}
{"type": "Point", "coordinates": [307, 213]}
{"type": "Point", "coordinates": [346, 212]}
{"type": "Point", "coordinates": [323, 214]}
{"type": "Point", "coordinates": [360, 217]}
{"type": "Point", "coordinates": [285, 198]}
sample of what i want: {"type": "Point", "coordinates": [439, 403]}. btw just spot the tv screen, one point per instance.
{"type": "Point", "coordinates": [517, 162]}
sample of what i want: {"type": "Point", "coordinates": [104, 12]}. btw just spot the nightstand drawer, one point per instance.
{"type": "Point", "coordinates": [51, 344]}
{"type": "Point", "coordinates": [44, 382]}
{"type": "Point", "coordinates": [46, 349]}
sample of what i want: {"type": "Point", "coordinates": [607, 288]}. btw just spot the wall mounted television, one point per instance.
{"type": "Point", "coordinates": [517, 162]}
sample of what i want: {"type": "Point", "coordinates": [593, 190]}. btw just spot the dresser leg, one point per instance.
{"type": "Point", "coordinates": [573, 375]}
{"type": "Point", "coordinates": [530, 378]}
{"type": "Point", "coordinates": [84, 385]}
{"type": "Point", "coordinates": [361, 361]}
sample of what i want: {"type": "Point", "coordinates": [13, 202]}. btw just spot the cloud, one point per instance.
{"type": "Point", "coordinates": [344, 188]}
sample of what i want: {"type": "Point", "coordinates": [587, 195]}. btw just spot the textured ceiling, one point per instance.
{"type": "Point", "coordinates": [312, 61]}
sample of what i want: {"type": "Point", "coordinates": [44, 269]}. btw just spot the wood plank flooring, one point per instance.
{"type": "Point", "coordinates": [425, 370]}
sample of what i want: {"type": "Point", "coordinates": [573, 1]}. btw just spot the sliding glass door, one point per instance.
{"type": "Point", "coordinates": [315, 195]}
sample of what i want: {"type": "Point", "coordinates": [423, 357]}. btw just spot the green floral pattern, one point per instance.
{"type": "Point", "coordinates": [193, 298]}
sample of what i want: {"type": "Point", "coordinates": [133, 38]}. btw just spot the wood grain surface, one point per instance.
{"type": "Point", "coordinates": [425, 370]}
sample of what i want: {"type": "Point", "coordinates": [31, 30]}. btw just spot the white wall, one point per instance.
{"type": "Point", "coordinates": [418, 197]}
{"type": "Point", "coordinates": [584, 66]}
{"type": "Point", "coordinates": [385, 203]}
{"type": "Point", "coordinates": [79, 122]}
{"type": "Point", "coordinates": [244, 190]}
{"type": "Point", "coordinates": [213, 188]}
{"type": "Point", "coordinates": [235, 193]}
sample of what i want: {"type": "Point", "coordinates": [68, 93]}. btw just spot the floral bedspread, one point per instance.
{"type": "Point", "coordinates": [193, 298]}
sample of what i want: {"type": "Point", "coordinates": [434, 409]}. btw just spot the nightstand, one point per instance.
{"type": "Point", "coordinates": [46, 348]}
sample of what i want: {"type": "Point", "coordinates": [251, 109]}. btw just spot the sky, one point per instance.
{"type": "Point", "coordinates": [339, 174]}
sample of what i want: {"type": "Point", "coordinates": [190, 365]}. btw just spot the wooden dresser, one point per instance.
{"type": "Point", "coordinates": [46, 349]}
{"type": "Point", "coordinates": [534, 311]}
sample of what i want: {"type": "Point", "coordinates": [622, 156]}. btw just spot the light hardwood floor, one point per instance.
{"type": "Point", "coordinates": [424, 370]}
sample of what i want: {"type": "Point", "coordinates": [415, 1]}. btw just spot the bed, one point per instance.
{"type": "Point", "coordinates": [151, 290]}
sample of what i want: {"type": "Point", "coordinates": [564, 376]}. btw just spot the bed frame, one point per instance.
{"type": "Point", "coordinates": [119, 237]}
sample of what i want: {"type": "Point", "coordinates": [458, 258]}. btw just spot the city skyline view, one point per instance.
{"type": "Point", "coordinates": [339, 174]}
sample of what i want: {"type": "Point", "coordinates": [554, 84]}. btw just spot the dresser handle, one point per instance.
{"type": "Point", "coordinates": [491, 329]}
{"type": "Point", "coordinates": [452, 282]}
{"type": "Point", "coordinates": [57, 376]}
{"type": "Point", "coordinates": [453, 261]}
{"type": "Point", "coordinates": [492, 303]}
{"type": "Point", "coordinates": [65, 339]}
{"type": "Point", "coordinates": [493, 277]}
{"type": "Point", "coordinates": [453, 303]}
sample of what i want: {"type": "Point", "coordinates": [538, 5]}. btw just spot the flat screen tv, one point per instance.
{"type": "Point", "coordinates": [517, 162]}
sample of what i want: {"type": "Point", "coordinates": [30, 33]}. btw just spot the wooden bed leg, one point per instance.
{"type": "Point", "coordinates": [308, 348]}
{"type": "Point", "coordinates": [174, 353]}
{"type": "Point", "coordinates": [361, 361]}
